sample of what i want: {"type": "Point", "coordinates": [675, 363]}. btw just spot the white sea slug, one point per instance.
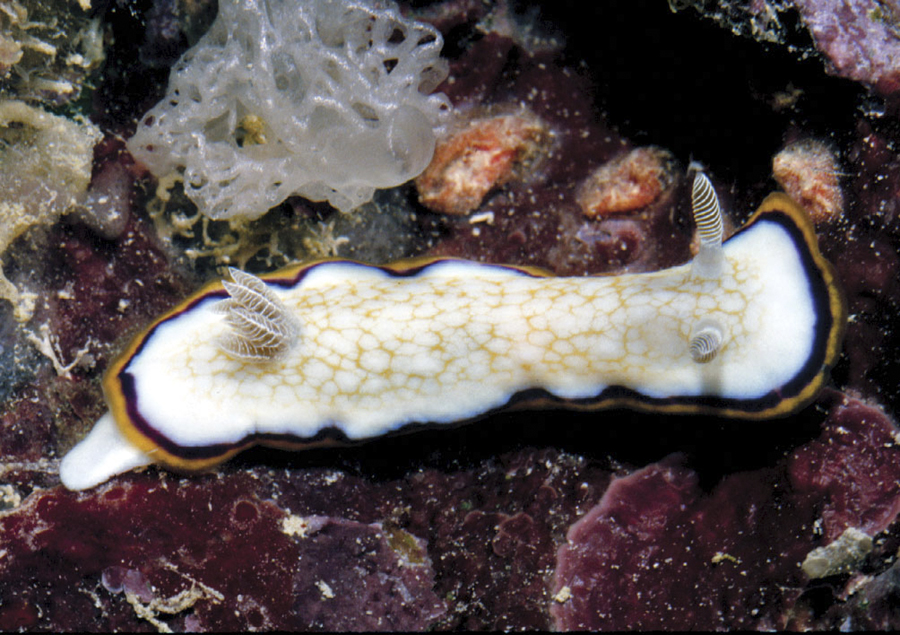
{"type": "Point", "coordinates": [326, 99]}
{"type": "Point", "coordinates": [341, 351]}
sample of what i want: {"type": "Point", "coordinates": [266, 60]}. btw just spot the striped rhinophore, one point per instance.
{"type": "Point", "coordinates": [707, 215]}
{"type": "Point", "coordinates": [705, 344]}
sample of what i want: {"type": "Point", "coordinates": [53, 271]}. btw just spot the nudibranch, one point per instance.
{"type": "Point", "coordinates": [338, 351]}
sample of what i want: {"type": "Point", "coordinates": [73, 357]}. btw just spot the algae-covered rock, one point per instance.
{"type": "Point", "coordinates": [45, 169]}
{"type": "Point", "coordinates": [47, 48]}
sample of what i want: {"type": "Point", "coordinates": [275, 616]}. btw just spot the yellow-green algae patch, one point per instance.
{"type": "Point", "coordinates": [47, 49]}
{"type": "Point", "coordinates": [45, 169]}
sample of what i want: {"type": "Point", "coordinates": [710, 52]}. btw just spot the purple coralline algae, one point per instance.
{"type": "Point", "coordinates": [207, 555]}
{"type": "Point", "coordinates": [860, 38]}
{"type": "Point", "coordinates": [223, 551]}
{"type": "Point", "coordinates": [322, 549]}
{"type": "Point", "coordinates": [658, 552]}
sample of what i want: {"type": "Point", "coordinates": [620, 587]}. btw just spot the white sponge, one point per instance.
{"type": "Point", "coordinates": [326, 99]}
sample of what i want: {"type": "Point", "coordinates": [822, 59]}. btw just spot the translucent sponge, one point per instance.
{"type": "Point", "coordinates": [325, 99]}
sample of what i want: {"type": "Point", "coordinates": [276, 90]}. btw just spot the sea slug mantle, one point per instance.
{"type": "Point", "coordinates": [340, 351]}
